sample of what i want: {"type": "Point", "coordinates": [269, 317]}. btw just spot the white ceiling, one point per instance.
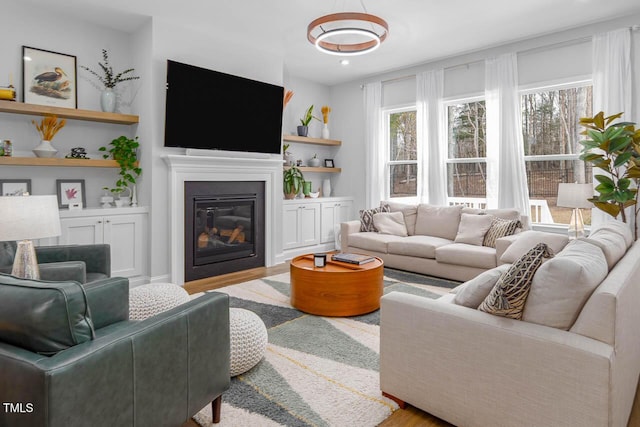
{"type": "Point", "coordinates": [419, 30]}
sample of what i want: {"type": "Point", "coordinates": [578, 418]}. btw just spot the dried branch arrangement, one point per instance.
{"type": "Point", "coordinates": [49, 126]}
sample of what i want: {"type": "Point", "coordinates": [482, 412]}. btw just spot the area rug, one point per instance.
{"type": "Point", "coordinates": [317, 371]}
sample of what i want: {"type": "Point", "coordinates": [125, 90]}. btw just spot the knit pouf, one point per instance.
{"type": "Point", "coordinates": [149, 300]}
{"type": "Point", "coordinates": [248, 340]}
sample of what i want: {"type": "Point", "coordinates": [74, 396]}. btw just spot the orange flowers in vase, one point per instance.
{"type": "Point", "coordinates": [48, 127]}
{"type": "Point", "coordinates": [325, 113]}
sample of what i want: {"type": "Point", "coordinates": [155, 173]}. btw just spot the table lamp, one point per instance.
{"type": "Point", "coordinates": [23, 218]}
{"type": "Point", "coordinates": [575, 196]}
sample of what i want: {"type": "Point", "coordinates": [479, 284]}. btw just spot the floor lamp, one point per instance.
{"type": "Point", "coordinates": [24, 218]}
{"type": "Point", "coordinates": [575, 196]}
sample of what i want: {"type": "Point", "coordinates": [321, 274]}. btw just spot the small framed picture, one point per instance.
{"type": "Point", "coordinates": [328, 163]}
{"type": "Point", "coordinates": [48, 78]}
{"type": "Point", "coordinates": [15, 187]}
{"type": "Point", "coordinates": [70, 192]}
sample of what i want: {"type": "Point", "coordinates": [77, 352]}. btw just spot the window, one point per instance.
{"type": "Point", "coordinates": [402, 164]}
{"type": "Point", "coordinates": [466, 141]}
{"type": "Point", "coordinates": [551, 131]}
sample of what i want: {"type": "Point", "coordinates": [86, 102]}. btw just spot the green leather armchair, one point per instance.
{"type": "Point", "coordinates": [69, 356]}
{"type": "Point", "coordinates": [82, 263]}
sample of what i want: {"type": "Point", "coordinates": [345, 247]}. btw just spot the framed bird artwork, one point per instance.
{"type": "Point", "coordinates": [49, 78]}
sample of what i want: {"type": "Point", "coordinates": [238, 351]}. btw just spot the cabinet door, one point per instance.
{"type": "Point", "coordinates": [309, 222]}
{"type": "Point", "coordinates": [81, 231]}
{"type": "Point", "coordinates": [125, 234]}
{"type": "Point", "coordinates": [333, 213]}
{"type": "Point", "coordinates": [290, 227]}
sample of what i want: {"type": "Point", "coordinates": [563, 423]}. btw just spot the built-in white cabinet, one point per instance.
{"type": "Point", "coordinates": [332, 214]}
{"type": "Point", "coordinates": [301, 225]}
{"type": "Point", "coordinates": [124, 229]}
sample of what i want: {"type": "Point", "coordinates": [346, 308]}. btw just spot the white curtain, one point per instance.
{"type": "Point", "coordinates": [612, 91]}
{"type": "Point", "coordinates": [506, 173]}
{"type": "Point", "coordinates": [432, 184]}
{"type": "Point", "coordinates": [374, 145]}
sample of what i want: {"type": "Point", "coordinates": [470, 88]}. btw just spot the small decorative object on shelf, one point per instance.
{"type": "Point", "coordinates": [308, 115]}
{"type": "Point", "coordinates": [314, 162]}
{"type": "Point", "coordinates": [77, 153]}
{"type": "Point", "coordinates": [8, 93]}
{"type": "Point", "coordinates": [48, 127]}
{"type": "Point", "coordinates": [110, 80]}
{"type": "Point", "coordinates": [328, 163]}
{"type": "Point", "coordinates": [306, 188]}
{"type": "Point", "coordinates": [7, 148]}
{"type": "Point", "coordinates": [325, 119]}
{"type": "Point", "coordinates": [326, 188]}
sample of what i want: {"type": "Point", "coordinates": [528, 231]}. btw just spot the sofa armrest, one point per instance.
{"type": "Point", "coordinates": [108, 300]}
{"type": "Point", "coordinates": [466, 366]}
{"type": "Point", "coordinates": [347, 228]}
{"type": "Point", "coordinates": [502, 243]}
{"type": "Point", "coordinates": [168, 367]}
{"type": "Point", "coordinates": [97, 258]}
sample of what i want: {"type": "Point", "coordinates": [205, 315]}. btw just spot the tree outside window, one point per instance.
{"type": "Point", "coordinates": [402, 166]}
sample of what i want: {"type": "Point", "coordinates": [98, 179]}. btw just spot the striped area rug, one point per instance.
{"type": "Point", "coordinates": [317, 371]}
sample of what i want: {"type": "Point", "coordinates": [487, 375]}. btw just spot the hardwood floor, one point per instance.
{"type": "Point", "coordinates": [408, 417]}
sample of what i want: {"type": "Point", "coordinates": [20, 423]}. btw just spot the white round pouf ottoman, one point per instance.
{"type": "Point", "coordinates": [149, 300]}
{"type": "Point", "coordinates": [248, 340]}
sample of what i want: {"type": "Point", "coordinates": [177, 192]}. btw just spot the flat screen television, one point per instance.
{"type": "Point", "coordinates": [210, 110]}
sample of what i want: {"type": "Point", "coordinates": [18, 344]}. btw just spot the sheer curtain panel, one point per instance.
{"type": "Point", "coordinates": [374, 145]}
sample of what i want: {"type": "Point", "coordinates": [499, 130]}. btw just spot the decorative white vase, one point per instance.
{"type": "Point", "coordinates": [325, 131]}
{"type": "Point", "coordinates": [326, 188]}
{"type": "Point", "coordinates": [134, 197]}
{"type": "Point", "coordinates": [108, 100]}
{"type": "Point", "coordinates": [45, 149]}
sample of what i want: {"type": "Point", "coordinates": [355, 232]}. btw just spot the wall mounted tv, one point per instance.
{"type": "Point", "coordinates": [207, 109]}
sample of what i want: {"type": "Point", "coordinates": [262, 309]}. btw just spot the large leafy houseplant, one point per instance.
{"type": "Point", "coordinates": [615, 149]}
{"type": "Point", "coordinates": [292, 182]}
{"type": "Point", "coordinates": [124, 151]}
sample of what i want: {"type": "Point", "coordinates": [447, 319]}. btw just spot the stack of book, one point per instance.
{"type": "Point", "coordinates": [352, 258]}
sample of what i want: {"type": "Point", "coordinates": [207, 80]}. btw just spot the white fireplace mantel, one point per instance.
{"type": "Point", "coordinates": [220, 168]}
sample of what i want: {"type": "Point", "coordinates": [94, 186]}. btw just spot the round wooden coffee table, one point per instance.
{"type": "Point", "coordinates": [338, 289]}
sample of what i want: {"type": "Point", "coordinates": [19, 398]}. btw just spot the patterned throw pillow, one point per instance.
{"type": "Point", "coordinates": [500, 228]}
{"type": "Point", "coordinates": [366, 217]}
{"type": "Point", "coordinates": [508, 296]}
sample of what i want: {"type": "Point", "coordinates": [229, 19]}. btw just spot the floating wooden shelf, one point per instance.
{"type": "Point", "coordinates": [67, 113]}
{"type": "Point", "coordinates": [307, 140]}
{"type": "Point", "coordinates": [39, 161]}
{"type": "Point", "coordinates": [318, 169]}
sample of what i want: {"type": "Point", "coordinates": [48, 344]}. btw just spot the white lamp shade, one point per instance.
{"type": "Point", "coordinates": [29, 217]}
{"type": "Point", "coordinates": [575, 195]}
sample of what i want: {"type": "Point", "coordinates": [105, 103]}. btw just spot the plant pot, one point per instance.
{"type": "Point", "coordinates": [45, 149]}
{"type": "Point", "coordinates": [290, 196]}
{"type": "Point", "coordinates": [303, 130]}
{"type": "Point", "coordinates": [306, 188]}
{"type": "Point", "coordinates": [108, 100]}
{"type": "Point", "coordinates": [314, 162]}
{"type": "Point", "coordinates": [325, 131]}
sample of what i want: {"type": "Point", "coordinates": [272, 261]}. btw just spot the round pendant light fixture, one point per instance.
{"type": "Point", "coordinates": [347, 33]}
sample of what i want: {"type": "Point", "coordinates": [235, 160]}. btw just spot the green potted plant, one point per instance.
{"type": "Point", "coordinates": [303, 130]}
{"type": "Point", "coordinates": [615, 149]}
{"type": "Point", "coordinates": [124, 151]}
{"type": "Point", "coordinates": [292, 182]}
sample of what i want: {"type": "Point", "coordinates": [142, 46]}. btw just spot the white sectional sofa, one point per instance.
{"type": "Point", "coordinates": [433, 243]}
{"type": "Point", "coordinates": [573, 360]}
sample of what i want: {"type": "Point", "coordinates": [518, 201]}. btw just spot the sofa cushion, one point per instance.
{"type": "Point", "coordinates": [410, 213]}
{"type": "Point", "coordinates": [438, 221]}
{"type": "Point", "coordinates": [472, 292]}
{"type": "Point", "coordinates": [562, 285]}
{"type": "Point", "coordinates": [417, 246]}
{"type": "Point", "coordinates": [43, 317]}
{"type": "Point", "coordinates": [509, 294]}
{"type": "Point", "coordinates": [472, 228]}
{"type": "Point", "coordinates": [530, 238]}
{"type": "Point", "coordinates": [372, 241]}
{"type": "Point", "coordinates": [366, 217]}
{"type": "Point", "coordinates": [617, 227]}
{"type": "Point", "coordinates": [390, 223]}
{"type": "Point", "coordinates": [467, 255]}
{"type": "Point", "coordinates": [612, 244]}
{"type": "Point", "coordinates": [500, 227]}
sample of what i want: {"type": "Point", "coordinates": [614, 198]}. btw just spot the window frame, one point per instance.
{"type": "Point", "coordinates": [388, 163]}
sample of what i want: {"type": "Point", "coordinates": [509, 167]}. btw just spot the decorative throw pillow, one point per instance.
{"type": "Point", "coordinates": [473, 228]}
{"type": "Point", "coordinates": [500, 228]}
{"type": "Point", "coordinates": [528, 239]}
{"type": "Point", "coordinates": [410, 213]}
{"type": "Point", "coordinates": [390, 223]}
{"type": "Point", "coordinates": [472, 292]}
{"type": "Point", "coordinates": [508, 296]}
{"type": "Point", "coordinates": [438, 221]}
{"type": "Point", "coordinates": [366, 217]}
